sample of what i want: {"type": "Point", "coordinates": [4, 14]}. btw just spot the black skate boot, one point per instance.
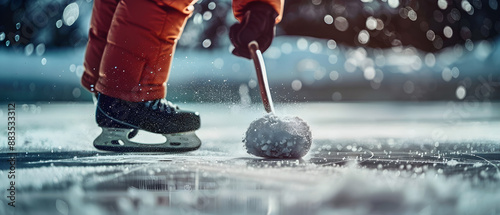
{"type": "Point", "coordinates": [121, 120]}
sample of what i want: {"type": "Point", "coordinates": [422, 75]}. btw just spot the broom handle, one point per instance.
{"type": "Point", "coordinates": [260, 68]}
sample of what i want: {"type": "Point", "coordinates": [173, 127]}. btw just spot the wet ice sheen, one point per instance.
{"type": "Point", "coordinates": [406, 168]}
{"type": "Point", "coordinates": [278, 137]}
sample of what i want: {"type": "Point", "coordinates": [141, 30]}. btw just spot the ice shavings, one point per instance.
{"type": "Point", "coordinates": [278, 137]}
{"type": "Point", "coordinates": [362, 191]}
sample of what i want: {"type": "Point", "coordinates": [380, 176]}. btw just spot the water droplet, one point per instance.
{"type": "Point", "coordinates": [393, 3]}
{"type": "Point", "coordinates": [448, 32]}
{"type": "Point", "coordinates": [369, 73]}
{"type": "Point", "coordinates": [350, 65]}
{"type": "Point", "coordinates": [77, 93]}
{"type": "Point", "coordinates": [59, 23]}
{"type": "Point", "coordinates": [493, 4]}
{"type": "Point", "coordinates": [328, 19]}
{"type": "Point", "coordinates": [72, 67]}
{"type": "Point", "coordinates": [412, 15]}
{"type": "Point", "coordinates": [44, 61]}
{"type": "Point", "coordinates": [430, 35]}
{"type": "Point", "coordinates": [18, 26]}
{"type": "Point", "coordinates": [337, 96]}
{"type": "Point", "coordinates": [380, 24]}
{"type": "Point", "coordinates": [430, 60]}
{"type": "Point", "coordinates": [71, 13]}
{"type": "Point", "coordinates": [483, 50]}
{"type": "Point", "coordinates": [296, 85]}
{"type": "Point", "coordinates": [455, 72]}
{"type": "Point", "coordinates": [207, 15]}
{"type": "Point", "coordinates": [206, 43]}
{"type": "Point", "coordinates": [380, 60]}
{"type": "Point", "coordinates": [363, 37]}
{"type": "Point", "coordinates": [408, 87]}
{"type": "Point", "coordinates": [379, 76]}
{"type": "Point", "coordinates": [40, 49]}
{"type": "Point", "coordinates": [438, 42]}
{"type": "Point", "coordinates": [454, 15]}
{"type": "Point", "coordinates": [2, 36]}
{"type": "Point", "coordinates": [252, 83]}
{"type": "Point", "coordinates": [315, 47]}
{"type": "Point", "coordinates": [211, 5]}
{"type": "Point", "coordinates": [28, 50]}
{"type": "Point", "coordinates": [218, 63]}
{"type": "Point", "coordinates": [460, 92]}
{"type": "Point", "coordinates": [371, 23]}
{"type": "Point", "coordinates": [302, 44]}
{"type": "Point", "coordinates": [286, 48]}
{"type": "Point", "coordinates": [438, 16]}
{"type": "Point", "coordinates": [446, 74]}
{"type": "Point", "coordinates": [467, 7]}
{"type": "Point", "coordinates": [442, 4]}
{"type": "Point", "coordinates": [332, 59]}
{"type": "Point", "coordinates": [341, 23]}
{"type": "Point", "coordinates": [236, 67]}
{"type": "Point", "coordinates": [319, 74]}
{"type": "Point", "coordinates": [469, 45]}
{"type": "Point", "coordinates": [273, 53]}
{"type": "Point", "coordinates": [62, 206]}
{"type": "Point", "coordinates": [331, 44]}
{"type": "Point", "coordinates": [197, 19]}
{"type": "Point", "coordinates": [334, 75]}
{"type": "Point", "coordinates": [79, 70]}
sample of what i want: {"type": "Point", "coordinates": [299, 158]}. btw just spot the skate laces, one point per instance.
{"type": "Point", "coordinates": [162, 105]}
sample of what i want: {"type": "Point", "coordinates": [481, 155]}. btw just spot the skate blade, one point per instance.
{"type": "Point", "coordinates": [118, 140]}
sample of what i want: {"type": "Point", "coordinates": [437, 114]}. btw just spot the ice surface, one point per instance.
{"type": "Point", "coordinates": [366, 158]}
{"type": "Point", "coordinates": [273, 136]}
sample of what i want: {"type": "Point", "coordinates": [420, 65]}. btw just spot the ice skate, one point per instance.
{"type": "Point", "coordinates": [121, 120]}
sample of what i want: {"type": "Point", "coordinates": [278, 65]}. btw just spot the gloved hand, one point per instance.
{"type": "Point", "coordinates": [258, 24]}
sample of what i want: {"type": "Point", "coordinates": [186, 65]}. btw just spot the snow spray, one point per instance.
{"type": "Point", "coordinates": [272, 136]}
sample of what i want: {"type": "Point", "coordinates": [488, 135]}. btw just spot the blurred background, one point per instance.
{"type": "Point", "coordinates": [335, 50]}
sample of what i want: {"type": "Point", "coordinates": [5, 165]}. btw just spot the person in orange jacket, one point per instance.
{"type": "Point", "coordinates": [127, 62]}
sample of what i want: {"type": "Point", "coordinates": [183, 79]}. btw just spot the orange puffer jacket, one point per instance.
{"type": "Point", "coordinates": [186, 6]}
{"type": "Point", "coordinates": [132, 43]}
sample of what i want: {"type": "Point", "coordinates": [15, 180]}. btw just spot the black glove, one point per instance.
{"type": "Point", "coordinates": [258, 24]}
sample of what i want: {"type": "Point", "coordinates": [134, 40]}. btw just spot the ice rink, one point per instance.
{"type": "Point", "coordinates": [366, 158]}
